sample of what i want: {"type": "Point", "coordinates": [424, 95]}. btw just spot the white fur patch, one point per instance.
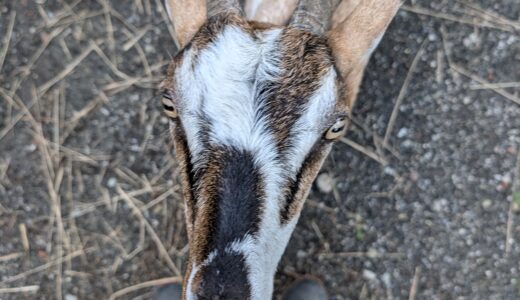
{"type": "Point", "coordinates": [309, 127]}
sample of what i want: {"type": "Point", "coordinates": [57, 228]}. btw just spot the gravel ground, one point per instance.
{"type": "Point", "coordinates": [417, 202]}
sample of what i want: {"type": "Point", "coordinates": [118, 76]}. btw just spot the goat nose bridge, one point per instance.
{"type": "Point", "coordinates": [225, 277]}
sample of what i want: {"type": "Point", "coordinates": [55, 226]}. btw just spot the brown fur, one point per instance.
{"type": "Point", "coordinates": [344, 9]}
{"type": "Point", "coordinates": [297, 194]}
{"type": "Point", "coordinates": [186, 16]}
{"type": "Point", "coordinates": [206, 192]}
{"type": "Point", "coordinates": [305, 60]}
{"type": "Point", "coordinates": [210, 30]}
{"type": "Point", "coordinates": [182, 153]}
{"type": "Point", "coordinates": [352, 39]}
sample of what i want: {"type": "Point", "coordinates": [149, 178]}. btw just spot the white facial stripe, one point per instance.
{"type": "Point", "coordinates": [307, 130]}
{"type": "Point", "coordinates": [190, 89]}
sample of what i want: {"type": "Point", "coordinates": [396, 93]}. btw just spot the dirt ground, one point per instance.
{"type": "Point", "coordinates": [425, 202]}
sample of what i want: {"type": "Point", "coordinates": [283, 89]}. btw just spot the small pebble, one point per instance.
{"type": "Point", "coordinates": [516, 207]}
{"type": "Point", "coordinates": [369, 275]}
{"type": "Point", "coordinates": [31, 148]}
{"type": "Point", "coordinates": [403, 132]}
{"type": "Point", "coordinates": [111, 183]}
{"type": "Point", "coordinates": [325, 183]}
{"type": "Point", "coordinates": [487, 203]}
{"type": "Point", "coordinates": [70, 297]}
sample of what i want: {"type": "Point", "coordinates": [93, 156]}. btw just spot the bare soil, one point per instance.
{"type": "Point", "coordinates": [426, 184]}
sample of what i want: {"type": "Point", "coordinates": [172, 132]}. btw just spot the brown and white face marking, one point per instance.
{"type": "Point", "coordinates": [254, 111]}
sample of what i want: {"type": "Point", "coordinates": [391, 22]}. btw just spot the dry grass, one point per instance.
{"type": "Point", "coordinates": [45, 116]}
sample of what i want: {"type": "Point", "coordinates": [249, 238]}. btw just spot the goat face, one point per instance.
{"type": "Point", "coordinates": [254, 112]}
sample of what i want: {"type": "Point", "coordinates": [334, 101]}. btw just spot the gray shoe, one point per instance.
{"type": "Point", "coordinates": [169, 292]}
{"type": "Point", "coordinates": [306, 289]}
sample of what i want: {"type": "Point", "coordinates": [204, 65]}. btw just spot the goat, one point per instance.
{"type": "Point", "coordinates": [255, 103]}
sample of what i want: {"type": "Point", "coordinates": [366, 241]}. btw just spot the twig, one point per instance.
{"type": "Point", "coordinates": [21, 289]}
{"type": "Point", "coordinates": [65, 72]}
{"type": "Point", "coordinates": [457, 19]}
{"type": "Point", "coordinates": [108, 62]}
{"type": "Point", "coordinates": [53, 180]}
{"type": "Point", "coordinates": [162, 250]}
{"type": "Point", "coordinates": [110, 29]}
{"type": "Point", "coordinates": [402, 93]}
{"type": "Point", "coordinates": [510, 213]}
{"type": "Point", "coordinates": [169, 24]}
{"type": "Point", "coordinates": [26, 70]}
{"type": "Point", "coordinates": [415, 284]}
{"type": "Point", "coordinates": [365, 151]}
{"type": "Point", "coordinates": [136, 38]}
{"type": "Point", "coordinates": [498, 85]}
{"type": "Point", "coordinates": [468, 74]}
{"type": "Point", "coordinates": [23, 237]}
{"type": "Point", "coordinates": [377, 139]}
{"type": "Point", "coordinates": [10, 256]}
{"type": "Point", "coordinates": [369, 254]}
{"type": "Point", "coordinates": [16, 119]}
{"type": "Point", "coordinates": [7, 39]}
{"type": "Point", "coordinates": [491, 16]}
{"type": "Point", "coordinates": [159, 199]}
{"type": "Point", "coordinates": [81, 210]}
{"type": "Point", "coordinates": [146, 284]}
{"type": "Point", "coordinates": [47, 265]}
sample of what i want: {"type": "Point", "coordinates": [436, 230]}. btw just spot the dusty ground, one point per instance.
{"type": "Point", "coordinates": [89, 196]}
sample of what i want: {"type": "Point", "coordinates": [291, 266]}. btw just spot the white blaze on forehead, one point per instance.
{"type": "Point", "coordinates": [310, 127]}
{"type": "Point", "coordinates": [223, 86]}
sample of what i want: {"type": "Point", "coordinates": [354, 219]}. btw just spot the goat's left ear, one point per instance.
{"type": "Point", "coordinates": [187, 17]}
{"type": "Point", "coordinates": [357, 28]}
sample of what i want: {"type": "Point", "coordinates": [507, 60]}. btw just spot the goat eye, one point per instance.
{"type": "Point", "coordinates": [337, 130]}
{"type": "Point", "coordinates": [169, 108]}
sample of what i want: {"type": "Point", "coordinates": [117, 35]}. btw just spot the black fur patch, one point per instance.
{"type": "Point", "coordinates": [238, 198]}
{"type": "Point", "coordinates": [225, 278]}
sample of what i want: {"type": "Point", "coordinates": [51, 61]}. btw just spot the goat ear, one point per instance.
{"type": "Point", "coordinates": [357, 28]}
{"type": "Point", "coordinates": [187, 17]}
{"type": "Point", "coordinates": [270, 11]}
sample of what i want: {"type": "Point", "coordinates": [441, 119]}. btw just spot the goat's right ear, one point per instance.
{"type": "Point", "coordinates": [357, 28]}
{"type": "Point", "coordinates": [187, 16]}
